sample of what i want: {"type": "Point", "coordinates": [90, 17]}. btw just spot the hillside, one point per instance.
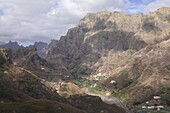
{"type": "Point", "coordinates": [147, 74]}
{"type": "Point", "coordinates": [22, 91]}
{"type": "Point", "coordinates": [29, 59]}
{"type": "Point", "coordinates": [99, 34]}
{"type": "Point", "coordinates": [125, 54]}
{"type": "Point", "coordinates": [113, 54]}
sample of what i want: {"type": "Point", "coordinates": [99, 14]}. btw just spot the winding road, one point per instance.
{"type": "Point", "coordinates": [109, 100]}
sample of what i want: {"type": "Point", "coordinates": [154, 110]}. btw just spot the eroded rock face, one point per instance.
{"type": "Point", "coordinates": [99, 33]}
{"type": "Point", "coordinates": [131, 50]}
{"type": "Point", "coordinates": [29, 59]}
{"type": "Point", "coordinates": [4, 59]}
{"type": "Point", "coordinates": [41, 48]}
{"type": "Point", "coordinates": [19, 84]}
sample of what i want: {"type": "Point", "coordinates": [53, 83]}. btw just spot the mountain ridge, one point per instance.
{"type": "Point", "coordinates": [112, 46]}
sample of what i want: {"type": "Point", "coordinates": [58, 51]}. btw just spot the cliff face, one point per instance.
{"type": "Point", "coordinates": [41, 48]}
{"type": "Point", "coordinates": [131, 50]}
{"type": "Point", "coordinates": [3, 57]}
{"type": "Point", "coordinates": [100, 33]}
{"type": "Point", "coordinates": [29, 59]}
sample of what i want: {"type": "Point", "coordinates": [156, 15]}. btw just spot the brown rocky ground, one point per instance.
{"type": "Point", "coordinates": [22, 91]}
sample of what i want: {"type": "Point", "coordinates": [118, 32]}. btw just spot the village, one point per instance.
{"type": "Point", "coordinates": [152, 106]}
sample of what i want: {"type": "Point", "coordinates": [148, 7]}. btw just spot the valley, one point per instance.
{"type": "Point", "coordinates": [109, 63]}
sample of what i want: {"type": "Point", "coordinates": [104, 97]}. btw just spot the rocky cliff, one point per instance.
{"type": "Point", "coordinates": [29, 59]}
{"type": "Point", "coordinates": [128, 51]}
{"type": "Point", "coordinates": [99, 33]}
{"type": "Point", "coordinates": [41, 48]}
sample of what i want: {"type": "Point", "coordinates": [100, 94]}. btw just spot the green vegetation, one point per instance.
{"type": "Point", "coordinates": [82, 82]}
{"type": "Point", "coordinates": [97, 90]}
{"type": "Point", "coordinates": [123, 95]}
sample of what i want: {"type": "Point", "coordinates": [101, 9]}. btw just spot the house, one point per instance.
{"type": "Point", "coordinates": [108, 94]}
{"type": "Point", "coordinates": [112, 82]}
{"type": "Point", "coordinates": [156, 97]}
{"type": "Point", "coordinates": [42, 68]}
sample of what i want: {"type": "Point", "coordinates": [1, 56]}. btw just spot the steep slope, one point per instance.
{"type": "Point", "coordinates": [41, 48]}
{"type": "Point", "coordinates": [21, 91]}
{"type": "Point", "coordinates": [98, 34]}
{"type": "Point", "coordinates": [20, 81]}
{"type": "Point", "coordinates": [126, 55]}
{"type": "Point", "coordinates": [29, 59]}
{"type": "Point", "coordinates": [87, 102]}
{"type": "Point", "coordinates": [145, 75]}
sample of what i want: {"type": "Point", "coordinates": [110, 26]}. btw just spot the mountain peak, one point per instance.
{"type": "Point", "coordinates": [164, 10]}
{"type": "Point", "coordinates": [11, 45]}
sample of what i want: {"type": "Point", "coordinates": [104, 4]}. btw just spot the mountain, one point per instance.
{"type": "Point", "coordinates": [23, 91]}
{"type": "Point", "coordinates": [41, 48]}
{"type": "Point", "coordinates": [10, 45]}
{"type": "Point", "coordinates": [125, 56]}
{"type": "Point", "coordinates": [100, 33]}
{"type": "Point", "coordinates": [29, 59]}
{"type": "Point", "coordinates": [127, 52]}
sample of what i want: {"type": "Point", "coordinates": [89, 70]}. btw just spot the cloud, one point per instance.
{"type": "Point", "coordinates": [27, 21]}
{"type": "Point", "coordinates": [156, 5]}
{"type": "Point", "coordinates": [148, 6]}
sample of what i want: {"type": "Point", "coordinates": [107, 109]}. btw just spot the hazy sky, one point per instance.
{"type": "Point", "coordinates": [27, 21]}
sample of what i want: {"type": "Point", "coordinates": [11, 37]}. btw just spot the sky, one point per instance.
{"type": "Point", "coordinates": [27, 21]}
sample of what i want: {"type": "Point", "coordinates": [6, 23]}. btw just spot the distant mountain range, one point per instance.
{"type": "Point", "coordinates": [10, 45]}
{"type": "Point", "coordinates": [40, 47]}
{"type": "Point", "coordinates": [122, 55]}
